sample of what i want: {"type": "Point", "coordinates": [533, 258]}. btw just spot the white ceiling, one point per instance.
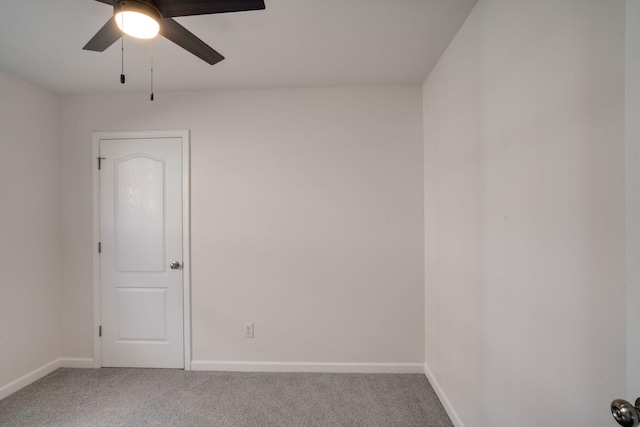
{"type": "Point", "coordinates": [293, 43]}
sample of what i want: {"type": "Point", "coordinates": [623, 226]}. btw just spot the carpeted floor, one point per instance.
{"type": "Point", "coordinates": [163, 397]}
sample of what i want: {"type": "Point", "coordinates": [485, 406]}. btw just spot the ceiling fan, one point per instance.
{"type": "Point", "coordinates": [148, 18]}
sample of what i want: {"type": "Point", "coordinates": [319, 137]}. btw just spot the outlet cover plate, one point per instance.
{"type": "Point", "coordinates": [248, 330]}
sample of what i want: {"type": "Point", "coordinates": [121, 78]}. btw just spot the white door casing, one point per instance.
{"type": "Point", "coordinates": [141, 222]}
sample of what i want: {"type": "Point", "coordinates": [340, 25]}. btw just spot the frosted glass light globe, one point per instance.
{"type": "Point", "coordinates": [137, 24]}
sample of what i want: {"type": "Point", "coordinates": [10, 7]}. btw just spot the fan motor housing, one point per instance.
{"type": "Point", "coordinates": [146, 7]}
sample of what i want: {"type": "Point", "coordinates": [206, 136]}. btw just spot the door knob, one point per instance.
{"type": "Point", "coordinates": [174, 265]}
{"type": "Point", "coordinates": [625, 413]}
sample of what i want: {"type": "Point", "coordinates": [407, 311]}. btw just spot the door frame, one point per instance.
{"type": "Point", "coordinates": [186, 232]}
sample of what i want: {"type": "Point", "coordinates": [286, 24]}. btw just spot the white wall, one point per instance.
{"type": "Point", "coordinates": [633, 196]}
{"type": "Point", "coordinates": [525, 214]}
{"type": "Point", "coordinates": [29, 228]}
{"type": "Point", "coordinates": [307, 219]}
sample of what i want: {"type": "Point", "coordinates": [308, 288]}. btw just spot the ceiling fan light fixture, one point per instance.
{"type": "Point", "coordinates": [137, 19]}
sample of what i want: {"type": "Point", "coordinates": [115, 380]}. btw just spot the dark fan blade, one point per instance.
{"type": "Point", "coordinates": [104, 38]}
{"type": "Point", "coordinates": [109, 2]}
{"type": "Point", "coordinates": [171, 8]}
{"type": "Point", "coordinates": [185, 39]}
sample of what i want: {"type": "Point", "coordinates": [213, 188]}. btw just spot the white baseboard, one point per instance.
{"type": "Point", "coordinates": [36, 374]}
{"type": "Point", "coordinates": [455, 418]}
{"type": "Point", "coordinates": [76, 362]}
{"type": "Point", "coordinates": [29, 378]}
{"type": "Point", "coordinates": [361, 368]}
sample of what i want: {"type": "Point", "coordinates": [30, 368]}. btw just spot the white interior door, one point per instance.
{"type": "Point", "coordinates": [141, 227]}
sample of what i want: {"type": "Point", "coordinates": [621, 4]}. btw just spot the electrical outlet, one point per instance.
{"type": "Point", "coordinates": [248, 330]}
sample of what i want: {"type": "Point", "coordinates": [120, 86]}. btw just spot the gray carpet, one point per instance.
{"type": "Point", "coordinates": [163, 397]}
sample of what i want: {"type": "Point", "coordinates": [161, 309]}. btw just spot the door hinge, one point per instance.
{"type": "Point", "coordinates": [100, 159]}
{"type": "Point", "coordinates": [100, 330]}
{"type": "Point", "coordinates": [99, 247]}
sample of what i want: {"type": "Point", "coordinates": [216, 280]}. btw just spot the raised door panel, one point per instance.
{"type": "Point", "coordinates": [140, 230]}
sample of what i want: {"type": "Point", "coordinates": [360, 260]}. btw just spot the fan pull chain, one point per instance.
{"type": "Point", "coordinates": [122, 78]}
{"type": "Point", "coordinates": [151, 96]}
{"type": "Point", "coordinates": [122, 72]}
